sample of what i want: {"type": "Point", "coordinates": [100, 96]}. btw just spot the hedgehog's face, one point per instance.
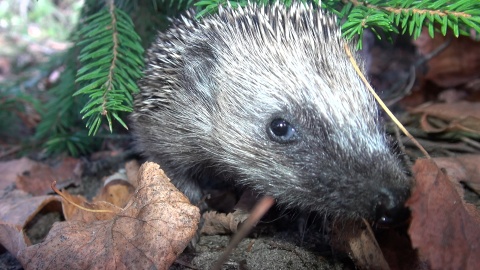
{"type": "Point", "coordinates": [305, 161]}
{"type": "Point", "coordinates": [307, 139]}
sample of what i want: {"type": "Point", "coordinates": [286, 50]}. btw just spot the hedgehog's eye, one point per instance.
{"type": "Point", "coordinates": [281, 130]}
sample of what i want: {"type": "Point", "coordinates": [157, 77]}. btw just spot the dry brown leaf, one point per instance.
{"type": "Point", "coordinates": [458, 63]}
{"type": "Point", "coordinates": [38, 178]}
{"type": "Point", "coordinates": [131, 169]}
{"type": "Point", "coordinates": [464, 116]}
{"type": "Point", "coordinates": [17, 208]}
{"type": "Point", "coordinates": [444, 228]}
{"type": "Point", "coordinates": [361, 245]}
{"type": "Point", "coordinates": [116, 192]}
{"type": "Point", "coordinates": [465, 168]}
{"type": "Point", "coordinates": [117, 189]}
{"type": "Point", "coordinates": [154, 227]}
{"type": "Point", "coordinates": [366, 253]}
{"type": "Point", "coordinates": [220, 223]}
{"type": "Point", "coordinates": [12, 238]}
{"type": "Point", "coordinates": [10, 169]}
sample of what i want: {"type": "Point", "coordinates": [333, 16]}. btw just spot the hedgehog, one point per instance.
{"type": "Point", "coordinates": [265, 97]}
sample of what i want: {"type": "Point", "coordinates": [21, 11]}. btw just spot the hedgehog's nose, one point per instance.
{"type": "Point", "coordinates": [390, 209]}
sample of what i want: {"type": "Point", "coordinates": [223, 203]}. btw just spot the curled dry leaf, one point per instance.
{"type": "Point", "coordinates": [154, 227]}
{"type": "Point", "coordinates": [116, 192]}
{"type": "Point", "coordinates": [366, 253]}
{"type": "Point", "coordinates": [463, 116]}
{"type": "Point", "coordinates": [119, 187]}
{"type": "Point", "coordinates": [17, 208]}
{"type": "Point", "coordinates": [12, 238]}
{"type": "Point", "coordinates": [220, 223]}
{"type": "Point", "coordinates": [444, 228]}
{"type": "Point", "coordinates": [360, 243]}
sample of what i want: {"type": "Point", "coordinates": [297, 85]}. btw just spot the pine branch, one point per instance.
{"type": "Point", "coordinates": [411, 16]}
{"type": "Point", "coordinates": [112, 61]}
{"type": "Point", "coordinates": [61, 128]}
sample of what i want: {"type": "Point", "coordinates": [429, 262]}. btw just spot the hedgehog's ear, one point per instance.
{"type": "Point", "coordinates": [199, 64]}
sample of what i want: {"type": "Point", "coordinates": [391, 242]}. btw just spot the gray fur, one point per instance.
{"type": "Point", "coordinates": [212, 87]}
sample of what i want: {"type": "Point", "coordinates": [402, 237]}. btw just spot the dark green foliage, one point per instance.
{"type": "Point", "coordinates": [111, 60]}
{"type": "Point", "coordinates": [60, 129]}
{"type": "Point", "coordinates": [99, 76]}
{"type": "Point", "coordinates": [12, 106]}
{"type": "Point", "coordinates": [100, 79]}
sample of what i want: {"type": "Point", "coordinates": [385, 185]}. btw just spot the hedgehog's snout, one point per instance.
{"type": "Point", "coordinates": [389, 207]}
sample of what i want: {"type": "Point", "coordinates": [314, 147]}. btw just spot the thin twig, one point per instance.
{"type": "Point", "coordinates": [257, 213]}
{"type": "Point", "coordinates": [53, 186]}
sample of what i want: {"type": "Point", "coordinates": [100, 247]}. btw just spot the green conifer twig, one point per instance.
{"type": "Point", "coordinates": [411, 16]}
{"type": "Point", "coordinates": [112, 62]}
